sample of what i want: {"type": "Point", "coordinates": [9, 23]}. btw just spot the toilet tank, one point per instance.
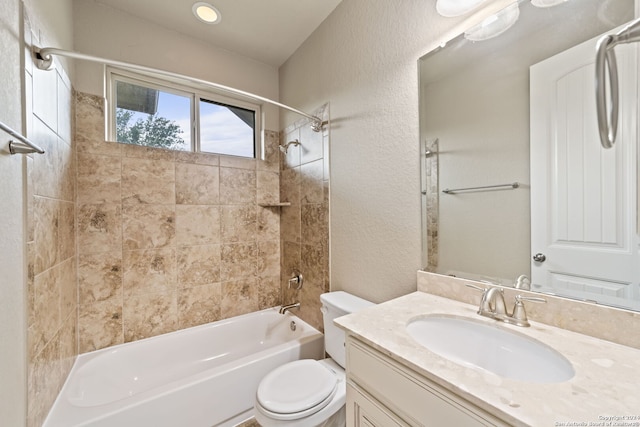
{"type": "Point", "coordinates": [334, 305]}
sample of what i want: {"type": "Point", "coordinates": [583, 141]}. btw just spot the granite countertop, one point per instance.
{"type": "Point", "coordinates": [605, 388]}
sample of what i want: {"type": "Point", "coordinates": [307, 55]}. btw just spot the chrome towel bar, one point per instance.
{"type": "Point", "coordinates": [606, 60]}
{"type": "Point", "coordinates": [486, 187]}
{"type": "Point", "coordinates": [23, 145]}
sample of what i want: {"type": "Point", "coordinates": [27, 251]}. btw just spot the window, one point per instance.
{"type": "Point", "coordinates": [154, 113]}
{"type": "Point", "coordinates": [223, 128]}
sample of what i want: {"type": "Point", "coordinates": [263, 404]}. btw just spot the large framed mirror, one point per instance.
{"type": "Point", "coordinates": [516, 187]}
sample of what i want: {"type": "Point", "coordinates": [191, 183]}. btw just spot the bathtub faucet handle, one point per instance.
{"type": "Point", "coordinates": [297, 280]}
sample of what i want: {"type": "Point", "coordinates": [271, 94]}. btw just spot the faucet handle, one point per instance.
{"type": "Point", "coordinates": [297, 280]}
{"type": "Point", "coordinates": [519, 316]}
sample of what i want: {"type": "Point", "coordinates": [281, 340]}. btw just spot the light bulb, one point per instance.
{"type": "Point", "coordinates": [206, 13]}
{"type": "Point", "coordinates": [494, 25]}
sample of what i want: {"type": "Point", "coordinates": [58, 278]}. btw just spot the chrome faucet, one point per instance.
{"type": "Point", "coordinates": [522, 282]}
{"type": "Point", "coordinates": [492, 305]}
{"type": "Point", "coordinates": [288, 307]}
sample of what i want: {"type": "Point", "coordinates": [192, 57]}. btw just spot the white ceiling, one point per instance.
{"type": "Point", "coordinates": [268, 31]}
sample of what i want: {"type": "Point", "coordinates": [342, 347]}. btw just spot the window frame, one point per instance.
{"type": "Point", "coordinates": [194, 92]}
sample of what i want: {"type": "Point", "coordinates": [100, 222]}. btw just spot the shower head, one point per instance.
{"type": "Point", "coordinates": [285, 148]}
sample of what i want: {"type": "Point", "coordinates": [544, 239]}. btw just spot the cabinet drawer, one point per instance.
{"type": "Point", "coordinates": [363, 411]}
{"type": "Point", "coordinates": [416, 399]}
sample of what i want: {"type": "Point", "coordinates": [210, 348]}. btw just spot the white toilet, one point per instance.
{"type": "Point", "coordinates": [311, 393]}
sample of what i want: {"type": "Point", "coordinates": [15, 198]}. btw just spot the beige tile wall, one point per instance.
{"type": "Point", "coordinates": [432, 204]}
{"type": "Point", "coordinates": [51, 245]}
{"type": "Point", "coordinates": [304, 182]}
{"type": "Point", "coordinates": [169, 240]}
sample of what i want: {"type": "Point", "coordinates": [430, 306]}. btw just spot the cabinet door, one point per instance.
{"type": "Point", "coordinates": [364, 411]}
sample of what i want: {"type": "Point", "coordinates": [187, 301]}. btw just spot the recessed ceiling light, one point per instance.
{"type": "Point", "coordinates": [206, 13]}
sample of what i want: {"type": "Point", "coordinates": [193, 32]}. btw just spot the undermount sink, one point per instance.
{"type": "Point", "coordinates": [481, 345]}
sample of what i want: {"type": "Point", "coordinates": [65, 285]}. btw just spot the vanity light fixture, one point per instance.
{"type": "Point", "coordinates": [206, 13]}
{"type": "Point", "coordinates": [494, 25]}
{"type": "Point", "coordinates": [547, 3]}
{"type": "Point", "coordinates": [451, 8]}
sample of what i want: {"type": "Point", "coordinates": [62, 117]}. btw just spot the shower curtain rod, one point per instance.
{"type": "Point", "coordinates": [44, 61]}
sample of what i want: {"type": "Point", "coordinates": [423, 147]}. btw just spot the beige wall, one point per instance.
{"type": "Point", "coordinates": [106, 32]}
{"type": "Point", "coordinates": [363, 60]}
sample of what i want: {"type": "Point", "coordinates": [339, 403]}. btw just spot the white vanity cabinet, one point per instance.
{"type": "Point", "coordinates": [382, 393]}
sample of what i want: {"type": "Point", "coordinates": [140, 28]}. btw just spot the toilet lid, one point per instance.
{"type": "Point", "coordinates": [301, 386]}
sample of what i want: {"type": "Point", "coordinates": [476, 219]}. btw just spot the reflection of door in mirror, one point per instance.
{"type": "Point", "coordinates": [583, 198]}
{"type": "Point", "coordinates": [474, 98]}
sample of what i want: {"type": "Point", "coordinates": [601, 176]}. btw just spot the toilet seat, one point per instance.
{"type": "Point", "coordinates": [296, 390]}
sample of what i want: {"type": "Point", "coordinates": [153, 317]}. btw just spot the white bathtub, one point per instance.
{"type": "Point", "coordinates": [202, 376]}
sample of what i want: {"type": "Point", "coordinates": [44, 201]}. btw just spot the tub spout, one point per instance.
{"type": "Point", "coordinates": [288, 307]}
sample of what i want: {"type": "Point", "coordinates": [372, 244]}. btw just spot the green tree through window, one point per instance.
{"type": "Point", "coordinates": [154, 131]}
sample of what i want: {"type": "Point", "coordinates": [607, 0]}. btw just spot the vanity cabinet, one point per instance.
{"type": "Point", "coordinates": [382, 392]}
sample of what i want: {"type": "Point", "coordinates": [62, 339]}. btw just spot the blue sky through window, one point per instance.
{"type": "Point", "coordinates": [222, 131]}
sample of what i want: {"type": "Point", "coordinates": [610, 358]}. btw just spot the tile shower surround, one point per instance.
{"type": "Point", "coordinates": [431, 165]}
{"type": "Point", "coordinates": [126, 242]}
{"type": "Point", "coordinates": [304, 226]}
{"type": "Point", "coordinates": [51, 245]}
{"type": "Point", "coordinates": [169, 240]}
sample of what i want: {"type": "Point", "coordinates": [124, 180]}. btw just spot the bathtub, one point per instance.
{"type": "Point", "coordinates": [203, 376]}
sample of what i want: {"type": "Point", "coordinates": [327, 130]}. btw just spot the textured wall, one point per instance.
{"type": "Point", "coordinates": [363, 60]}
{"type": "Point", "coordinates": [34, 292]}
{"type": "Point", "coordinates": [13, 355]}
{"type": "Point", "coordinates": [51, 244]}
{"type": "Point", "coordinates": [305, 224]}
{"type": "Point", "coordinates": [169, 240]}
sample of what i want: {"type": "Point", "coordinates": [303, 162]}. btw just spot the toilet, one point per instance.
{"type": "Point", "coordinates": [311, 393]}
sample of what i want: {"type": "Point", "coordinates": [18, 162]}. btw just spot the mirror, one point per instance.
{"type": "Point", "coordinates": [486, 108]}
